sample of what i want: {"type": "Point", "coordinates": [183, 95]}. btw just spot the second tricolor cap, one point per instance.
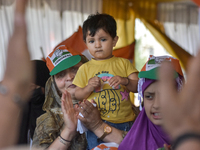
{"type": "Point", "coordinates": [60, 59]}
{"type": "Point", "coordinates": [150, 69]}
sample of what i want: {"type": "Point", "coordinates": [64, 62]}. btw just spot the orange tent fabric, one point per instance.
{"type": "Point", "coordinates": [125, 52]}
{"type": "Point", "coordinates": [197, 2]}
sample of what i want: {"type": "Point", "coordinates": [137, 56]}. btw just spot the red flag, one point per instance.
{"type": "Point", "coordinates": [75, 42]}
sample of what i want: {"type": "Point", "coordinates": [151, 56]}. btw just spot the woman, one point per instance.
{"type": "Point", "coordinates": [51, 126]}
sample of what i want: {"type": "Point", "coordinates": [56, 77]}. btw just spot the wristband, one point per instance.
{"type": "Point", "coordinates": [16, 98]}
{"type": "Point", "coordinates": [183, 138]}
{"type": "Point", "coordinates": [128, 81]}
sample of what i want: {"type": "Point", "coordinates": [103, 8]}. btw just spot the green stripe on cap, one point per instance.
{"type": "Point", "coordinates": [152, 74]}
{"type": "Point", "coordinates": [65, 64]}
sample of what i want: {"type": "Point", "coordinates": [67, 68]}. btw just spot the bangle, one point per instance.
{"type": "Point", "coordinates": [183, 138]}
{"type": "Point", "coordinates": [16, 98]}
{"type": "Point", "coordinates": [128, 81]}
{"type": "Point", "coordinates": [62, 140]}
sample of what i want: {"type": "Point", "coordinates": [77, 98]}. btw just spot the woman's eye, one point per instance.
{"type": "Point", "coordinates": [74, 69]}
{"type": "Point", "coordinates": [61, 74]}
{"type": "Point", "coordinates": [148, 96]}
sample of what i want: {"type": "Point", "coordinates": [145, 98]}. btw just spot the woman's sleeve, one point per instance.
{"type": "Point", "coordinates": [45, 131]}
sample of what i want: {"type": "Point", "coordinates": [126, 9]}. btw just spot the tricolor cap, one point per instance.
{"type": "Point", "coordinates": [61, 58]}
{"type": "Point", "coordinates": [150, 69]}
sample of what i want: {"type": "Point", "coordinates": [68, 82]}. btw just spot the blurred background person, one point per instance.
{"type": "Point", "coordinates": [33, 108]}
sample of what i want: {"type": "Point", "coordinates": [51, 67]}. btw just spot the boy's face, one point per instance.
{"type": "Point", "coordinates": [101, 44]}
{"type": "Point", "coordinates": [151, 104]}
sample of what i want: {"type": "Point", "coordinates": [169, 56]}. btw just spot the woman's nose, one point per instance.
{"type": "Point", "coordinates": [70, 76]}
{"type": "Point", "coordinates": [156, 104]}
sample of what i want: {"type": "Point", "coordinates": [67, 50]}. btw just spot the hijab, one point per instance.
{"type": "Point", "coordinates": [144, 135]}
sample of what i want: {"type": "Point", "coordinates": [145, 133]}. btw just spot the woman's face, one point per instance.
{"type": "Point", "coordinates": [151, 103]}
{"type": "Point", "coordinates": [65, 78]}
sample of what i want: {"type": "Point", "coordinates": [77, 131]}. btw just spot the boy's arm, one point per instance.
{"type": "Point", "coordinates": [132, 82]}
{"type": "Point", "coordinates": [83, 93]}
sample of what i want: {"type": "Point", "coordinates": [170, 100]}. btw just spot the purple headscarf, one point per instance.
{"type": "Point", "coordinates": [144, 135]}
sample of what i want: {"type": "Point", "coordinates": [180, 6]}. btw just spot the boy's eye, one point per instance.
{"type": "Point", "coordinates": [91, 41]}
{"type": "Point", "coordinates": [103, 40]}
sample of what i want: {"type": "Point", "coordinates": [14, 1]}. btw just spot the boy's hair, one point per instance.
{"type": "Point", "coordinates": [98, 21]}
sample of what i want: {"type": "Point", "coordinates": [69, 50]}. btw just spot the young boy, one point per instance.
{"type": "Point", "coordinates": [106, 79]}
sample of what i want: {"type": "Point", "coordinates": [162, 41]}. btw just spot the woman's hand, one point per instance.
{"type": "Point", "coordinates": [70, 119]}
{"type": "Point", "coordinates": [69, 113]}
{"type": "Point", "coordinates": [92, 119]}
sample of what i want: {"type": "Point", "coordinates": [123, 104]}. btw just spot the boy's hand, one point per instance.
{"type": "Point", "coordinates": [117, 80]}
{"type": "Point", "coordinates": [94, 82]}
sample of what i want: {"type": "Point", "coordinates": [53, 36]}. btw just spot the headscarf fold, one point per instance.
{"type": "Point", "coordinates": [144, 135]}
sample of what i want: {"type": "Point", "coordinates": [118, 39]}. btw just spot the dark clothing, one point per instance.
{"type": "Point", "coordinates": [30, 113]}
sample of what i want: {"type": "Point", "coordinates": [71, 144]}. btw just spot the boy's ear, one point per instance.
{"type": "Point", "coordinates": [115, 41]}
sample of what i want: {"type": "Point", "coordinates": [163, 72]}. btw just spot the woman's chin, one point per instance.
{"type": "Point", "coordinates": [71, 92]}
{"type": "Point", "coordinates": [157, 122]}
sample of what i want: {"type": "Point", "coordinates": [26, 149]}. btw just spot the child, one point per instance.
{"type": "Point", "coordinates": [106, 79]}
{"type": "Point", "coordinates": [146, 133]}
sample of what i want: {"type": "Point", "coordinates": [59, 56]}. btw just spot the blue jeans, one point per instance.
{"type": "Point", "coordinates": [92, 138]}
